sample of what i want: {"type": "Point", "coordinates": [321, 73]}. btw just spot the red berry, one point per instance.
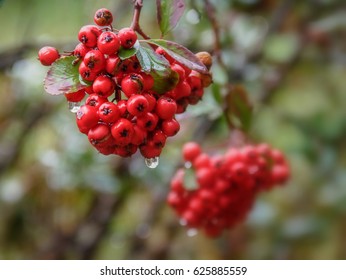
{"type": "Point", "coordinates": [148, 81]}
{"type": "Point", "coordinates": [86, 118]}
{"type": "Point", "coordinates": [182, 89]}
{"type": "Point", "coordinates": [159, 139]}
{"type": "Point", "coordinates": [128, 37]}
{"type": "Point", "coordinates": [81, 50]}
{"type": "Point", "coordinates": [137, 105]}
{"type": "Point", "coordinates": [165, 108]}
{"type": "Point", "coordinates": [122, 132]}
{"type": "Point", "coordinates": [47, 55]}
{"type": "Point", "coordinates": [108, 112]}
{"type": "Point", "coordinates": [95, 100]}
{"type": "Point", "coordinates": [126, 151]}
{"type": "Point", "coordinates": [151, 101]}
{"type": "Point", "coordinates": [140, 134]}
{"type": "Point", "coordinates": [88, 35]}
{"type": "Point", "coordinates": [103, 86]}
{"type": "Point", "coordinates": [100, 135]}
{"type": "Point", "coordinates": [170, 127]}
{"type": "Point", "coordinates": [122, 105]}
{"type": "Point", "coordinates": [75, 96]}
{"type": "Point", "coordinates": [148, 121]}
{"type": "Point", "coordinates": [149, 150]}
{"type": "Point", "coordinates": [191, 151]}
{"type": "Point", "coordinates": [103, 17]}
{"type": "Point", "coordinates": [132, 84]}
{"type": "Point", "coordinates": [108, 43]}
{"type": "Point", "coordinates": [95, 60]}
{"type": "Point", "coordinates": [86, 73]}
{"type": "Point", "coordinates": [180, 70]}
{"type": "Point", "coordinates": [113, 64]}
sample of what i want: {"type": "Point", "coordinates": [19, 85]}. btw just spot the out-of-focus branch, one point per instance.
{"type": "Point", "coordinates": [211, 14]}
{"type": "Point", "coordinates": [83, 242]}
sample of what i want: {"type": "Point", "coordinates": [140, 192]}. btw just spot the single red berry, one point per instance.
{"type": "Point", "coordinates": [103, 86]}
{"type": "Point", "coordinates": [132, 84]}
{"type": "Point", "coordinates": [162, 52]}
{"type": "Point", "coordinates": [166, 108]}
{"type": "Point", "coordinates": [103, 17]}
{"type": "Point", "coordinates": [47, 55]}
{"type": "Point", "coordinates": [180, 70]}
{"type": "Point", "coordinates": [151, 101]}
{"type": "Point", "coordinates": [159, 138]}
{"type": "Point", "coordinates": [148, 121]}
{"type": "Point", "coordinates": [194, 81]}
{"type": "Point", "coordinates": [128, 37]}
{"type": "Point", "coordinates": [205, 177]}
{"type": "Point", "coordinates": [89, 89]}
{"type": "Point", "coordinates": [81, 50]}
{"type": "Point", "coordinates": [148, 81]}
{"type": "Point", "coordinates": [86, 73]}
{"type": "Point", "coordinates": [86, 118]}
{"type": "Point", "coordinates": [95, 60]}
{"type": "Point", "coordinates": [126, 151]}
{"type": "Point", "coordinates": [137, 105]}
{"type": "Point", "coordinates": [191, 151]}
{"type": "Point", "coordinates": [108, 43]}
{"type": "Point", "coordinates": [201, 161]}
{"type": "Point", "coordinates": [134, 66]}
{"type": "Point", "coordinates": [182, 104]}
{"type": "Point", "coordinates": [122, 132]}
{"type": "Point", "coordinates": [88, 35]}
{"type": "Point", "coordinates": [149, 150]}
{"type": "Point", "coordinates": [100, 135]}
{"type": "Point", "coordinates": [140, 134]}
{"type": "Point", "coordinates": [170, 127]}
{"type": "Point", "coordinates": [95, 100]}
{"type": "Point", "coordinates": [122, 105]}
{"type": "Point", "coordinates": [109, 112]}
{"type": "Point", "coordinates": [107, 150]}
{"type": "Point", "coordinates": [113, 63]}
{"type": "Point", "coordinates": [182, 89]}
{"type": "Point", "coordinates": [75, 96]}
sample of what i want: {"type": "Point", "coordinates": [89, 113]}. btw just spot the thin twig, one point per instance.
{"type": "Point", "coordinates": [135, 21]}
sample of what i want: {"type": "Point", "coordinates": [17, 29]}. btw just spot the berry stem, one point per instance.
{"type": "Point", "coordinates": [138, 4]}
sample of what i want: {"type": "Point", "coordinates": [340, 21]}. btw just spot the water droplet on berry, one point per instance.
{"type": "Point", "coordinates": [74, 106]}
{"type": "Point", "coordinates": [191, 232]}
{"type": "Point", "coordinates": [152, 162]}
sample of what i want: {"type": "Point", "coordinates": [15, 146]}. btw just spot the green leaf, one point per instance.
{"type": "Point", "coordinates": [180, 54]}
{"type": "Point", "coordinates": [63, 77]}
{"type": "Point", "coordinates": [169, 13]}
{"type": "Point", "coordinates": [127, 53]}
{"type": "Point", "coordinates": [158, 67]}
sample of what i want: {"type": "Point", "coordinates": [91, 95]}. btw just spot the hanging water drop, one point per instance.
{"type": "Point", "coordinates": [74, 106]}
{"type": "Point", "coordinates": [152, 162]}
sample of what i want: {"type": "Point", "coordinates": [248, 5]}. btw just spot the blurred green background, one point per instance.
{"type": "Point", "coordinates": [60, 199]}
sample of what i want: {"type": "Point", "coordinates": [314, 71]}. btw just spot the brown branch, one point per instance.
{"type": "Point", "coordinates": [135, 20]}
{"type": "Point", "coordinates": [83, 242]}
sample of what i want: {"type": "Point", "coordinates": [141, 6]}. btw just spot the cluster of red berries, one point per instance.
{"type": "Point", "coordinates": [122, 112]}
{"type": "Point", "coordinates": [226, 185]}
